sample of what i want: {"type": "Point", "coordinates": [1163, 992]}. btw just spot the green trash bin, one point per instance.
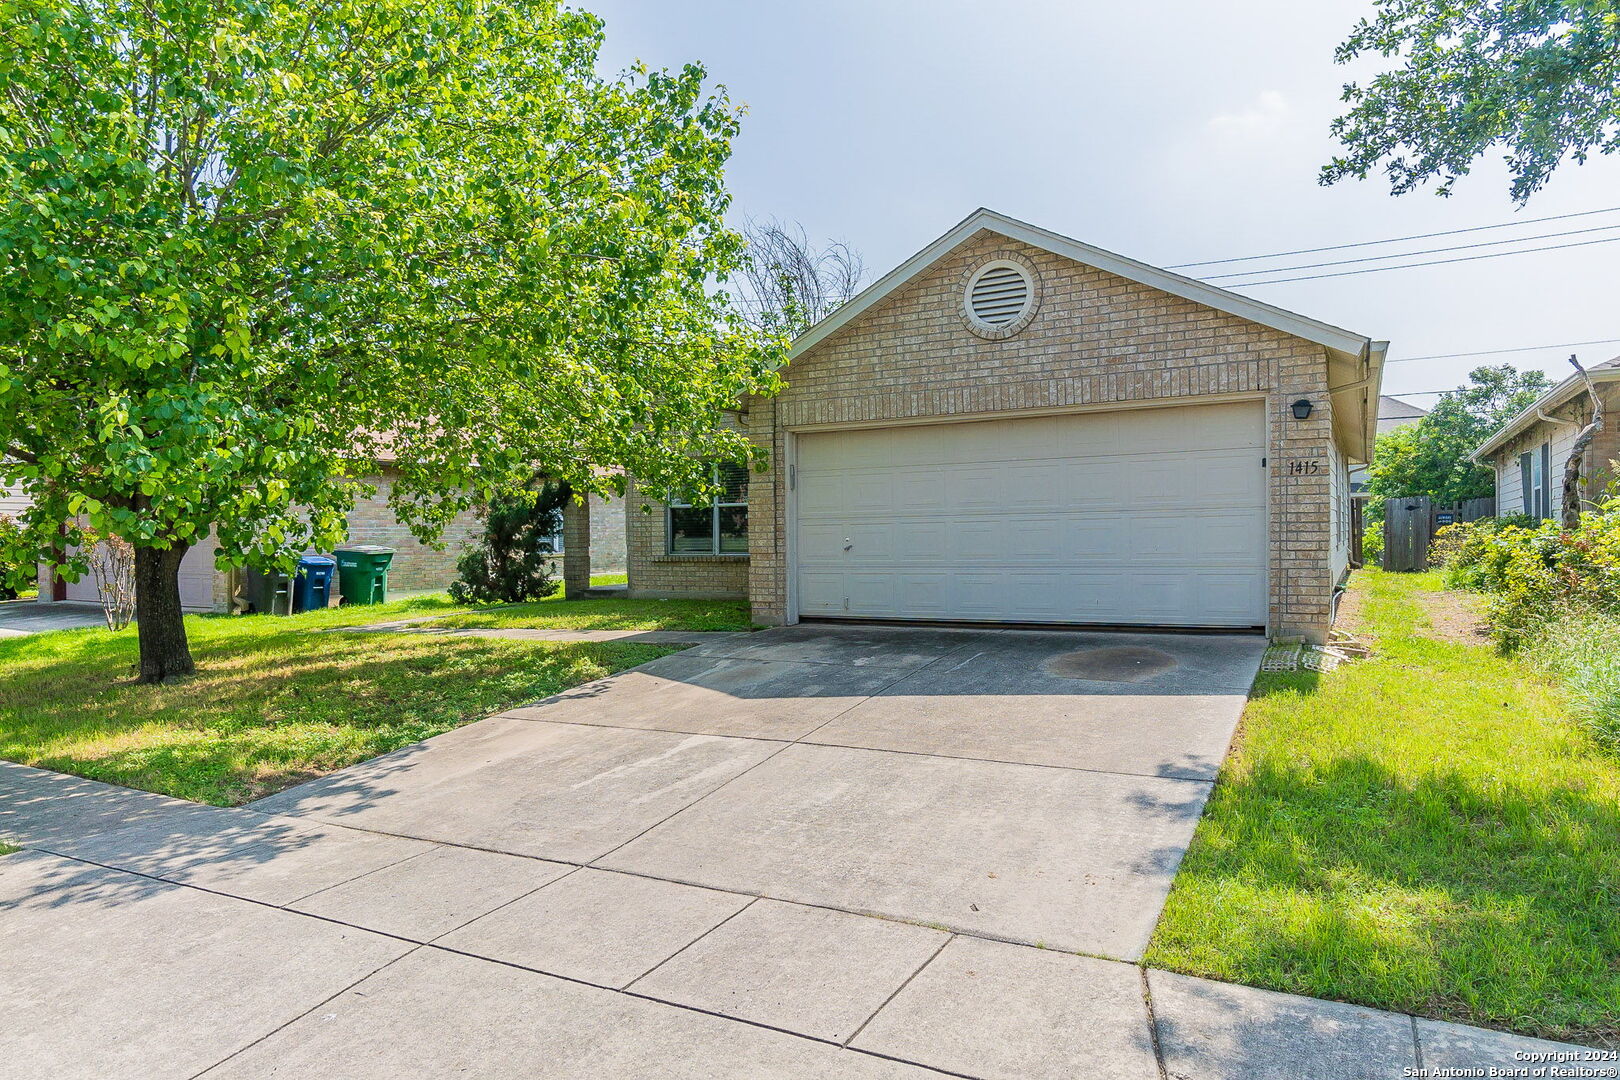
{"type": "Point", "coordinates": [362, 571]}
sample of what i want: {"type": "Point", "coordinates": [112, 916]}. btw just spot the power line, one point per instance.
{"type": "Point", "coordinates": [1499, 352]}
{"type": "Point", "coordinates": [1413, 266]}
{"type": "Point", "coordinates": [1409, 254]}
{"type": "Point", "coordinates": [1394, 240]}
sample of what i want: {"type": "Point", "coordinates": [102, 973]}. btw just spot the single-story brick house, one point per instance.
{"type": "Point", "coordinates": [416, 566]}
{"type": "Point", "coordinates": [1016, 427]}
{"type": "Point", "coordinates": [1529, 452]}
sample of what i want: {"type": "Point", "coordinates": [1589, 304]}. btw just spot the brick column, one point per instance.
{"type": "Point", "coordinates": [576, 549]}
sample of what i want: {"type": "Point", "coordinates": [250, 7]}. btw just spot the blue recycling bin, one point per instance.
{"type": "Point", "coordinates": [312, 588]}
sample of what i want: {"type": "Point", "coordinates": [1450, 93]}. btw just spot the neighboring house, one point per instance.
{"type": "Point", "coordinates": [1015, 427]}
{"type": "Point", "coordinates": [1530, 451]}
{"type": "Point", "coordinates": [13, 502]}
{"type": "Point", "coordinates": [416, 566]}
{"type": "Point", "coordinates": [1393, 413]}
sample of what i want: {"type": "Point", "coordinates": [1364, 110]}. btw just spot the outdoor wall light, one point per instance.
{"type": "Point", "coordinates": [1302, 409]}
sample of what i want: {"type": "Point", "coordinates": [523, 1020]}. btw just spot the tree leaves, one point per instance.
{"type": "Point", "coordinates": [1430, 457]}
{"type": "Point", "coordinates": [248, 250]}
{"type": "Point", "coordinates": [1539, 78]}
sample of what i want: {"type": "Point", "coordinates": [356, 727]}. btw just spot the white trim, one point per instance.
{"type": "Point", "coordinates": [1531, 413]}
{"type": "Point", "coordinates": [1288, 322]}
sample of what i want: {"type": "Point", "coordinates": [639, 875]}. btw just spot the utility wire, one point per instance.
{"type": "Point", "coordinates": [1409, 254]}
{"type": "Point", "coordinates": [1499, 352]}
{"type": "Point", "coordinates": [1394, 240]}
{"type": "Point", "coordinates": [1431, 262]}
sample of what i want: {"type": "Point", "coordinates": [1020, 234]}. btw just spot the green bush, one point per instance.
{"type": "Point", "coordinates": [1582, 650]}
{"type": "Point", "coordinates": [512, 563]}
{"type": "Point", "coordinates": [1536, 571]}
{"type": "Point", "coordinates": [1554, 596]}
{"type": "Point", "coordinates": [1372, 543]}
{"type": "Point", "coordinates": [14, 576]}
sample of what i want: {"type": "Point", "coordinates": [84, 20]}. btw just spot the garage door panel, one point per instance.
{"type": "Point", "coordinates": [976, 488]}
{"type": "Point", "coordinates": [979, 595]}
{"type": "Point", "coordinates": [1028, 538]}
{"type": "Point", "coordinates": [1226, 478]}
{"type": "Point", "coordinates": [924, 490]}
{"type": "Point", "coordinates": [821, 593]}
{"type": "Point", "coordinates": [927, 596]}
{"type": "Point", "coordinates": [1090, 539]}
{"type": "Point", "coordinates": [1225, 540]}
{"type": "Point", "coordinates": [872, 542]}
{"type": "Point", "coordinates": [1146, 516]}
{"type": "Point", "coordinates": [978, 541]}
{"type": "Point", "coordinates": [1036, 596]}
{"type": "Point", "coordinates": [1030, 487]}
{"type": "Point", "coordinates": [1099, 483]}
{"type": "Point", "coordinates": [922, 539]}
{"type": "Point", "coordinates": [819, 541]}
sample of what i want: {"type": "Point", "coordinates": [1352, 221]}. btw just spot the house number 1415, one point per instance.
{"type": "Point", "coordinates": [1308, 467]}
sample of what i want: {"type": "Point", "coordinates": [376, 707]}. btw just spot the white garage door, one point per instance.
{"type": "Point", "coordinates": [1151, 516]}
{"type": "Point", "coordinates": [196, 580]}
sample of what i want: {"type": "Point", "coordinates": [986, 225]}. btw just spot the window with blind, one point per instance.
{"type": "Point", "coordinates": [1535, 481]}
{"type": "Point", "coordinates": [720, 528]}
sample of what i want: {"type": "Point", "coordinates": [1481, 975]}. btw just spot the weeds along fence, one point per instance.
{"type": "Point", "coordinates": [1411, 522]}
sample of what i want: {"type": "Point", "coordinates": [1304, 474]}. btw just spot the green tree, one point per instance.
{"type": "Point", "coordinates": [512, 561]}
{"type": "Point", "coordinates": [248, 247]}
{"type": "Point", "coordinates": [1430, 457]}
{"type": "Point", "coordinates": [1538, 78]}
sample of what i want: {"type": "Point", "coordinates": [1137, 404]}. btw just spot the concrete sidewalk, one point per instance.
{"type": "Point", "coordinates": [237, 944]}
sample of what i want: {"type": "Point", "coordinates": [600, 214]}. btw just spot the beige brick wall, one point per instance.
{"type": "Point", "coordinates": [416, 565]}
{"type": "Point", "coordinates": [1096, 339]}
{"type": "Point", "coordinates": [654, 573]}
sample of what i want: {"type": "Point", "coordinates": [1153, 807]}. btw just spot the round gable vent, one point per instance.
{"type": "Point", "coordinates": [1000, 298]}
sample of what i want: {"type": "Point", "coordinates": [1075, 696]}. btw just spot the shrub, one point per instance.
{"type": "Point", "coordinates": [1582, 650]}
{"type": "Point", "coordinates": [1372, 543]}
{"type": "Point", "coordinates": [14, 576]}
{"type": "Point", "coordinates": [1537, 570]}
{"type": "Point", "coordinates": [513, 561]}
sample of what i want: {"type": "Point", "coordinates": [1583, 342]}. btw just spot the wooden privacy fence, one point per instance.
{"type": "Point", "coordinates": [1410, 524]}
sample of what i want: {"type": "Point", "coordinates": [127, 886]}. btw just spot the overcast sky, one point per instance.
{"type": "Point", "coordinates": [1171, 132]}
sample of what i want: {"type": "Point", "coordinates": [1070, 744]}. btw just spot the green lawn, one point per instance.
{"type": "Point", "coordinates": [610, 579]}
{"type": "Point", "coordinates": [1423, 831]}
{"type": "Point", "coordinates": [273, 704]}
{"type": "Point", "coordinates": [555, 613]}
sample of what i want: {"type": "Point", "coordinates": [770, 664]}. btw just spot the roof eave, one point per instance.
{"type": "Point", "coordinates": [1552, 399]}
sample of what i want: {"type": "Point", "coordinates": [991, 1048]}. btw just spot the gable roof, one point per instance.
{"type": "Point", "coordinates": [1394, 413]}
{"type": "Point", "coordinates": [1358, 358]}
{"type": "Point", "coordinates": [1608, 371]}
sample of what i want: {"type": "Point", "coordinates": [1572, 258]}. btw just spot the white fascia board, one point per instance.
{"type": "Point", "coordinates": [1333, 338]}
{"type": "Point", "coordinates": [1552, 399]}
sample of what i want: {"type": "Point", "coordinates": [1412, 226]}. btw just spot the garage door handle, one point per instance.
{"type": "Point", "coordinates": [847, 544]}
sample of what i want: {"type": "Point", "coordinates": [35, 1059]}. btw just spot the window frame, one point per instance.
{"type": "Point", "coordinates": [714, 510]}
{"type": "Point", "coordinates": [1535, 481]}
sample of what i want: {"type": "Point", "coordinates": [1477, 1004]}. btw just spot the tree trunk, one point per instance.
{"type": "Point", "coordinates": [159, 622]}
{"type": "Point", "coordinates": [1577, 453]}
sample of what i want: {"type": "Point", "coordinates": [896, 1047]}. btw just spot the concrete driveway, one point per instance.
{"type": "Point", "coordinates": [810, 852]}
{"type": "Point", "coordinates": [20, 617]}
